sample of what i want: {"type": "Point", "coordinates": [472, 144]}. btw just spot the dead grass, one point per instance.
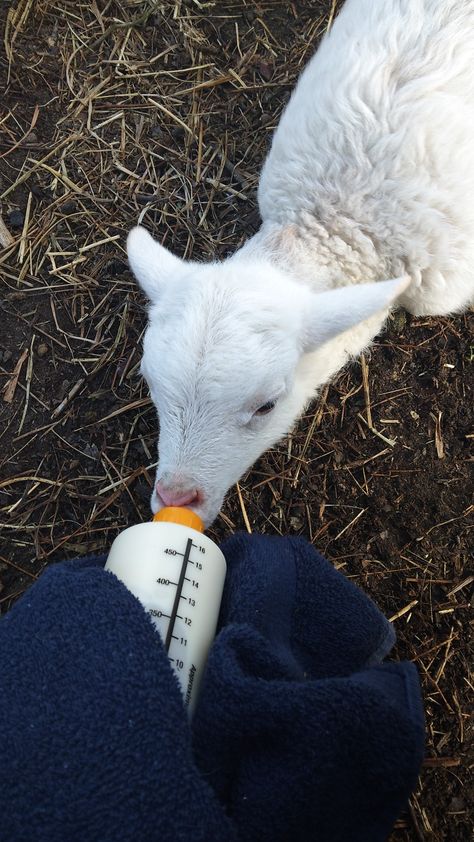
{"type": "Point", "coordinates": [162, 112]}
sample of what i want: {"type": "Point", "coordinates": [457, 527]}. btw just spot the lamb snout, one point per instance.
{"type": "Point", "coordinates": [173, 492]}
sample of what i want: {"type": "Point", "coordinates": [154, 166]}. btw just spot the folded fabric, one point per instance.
{"type": "Point", "coordinates": [300, 732]}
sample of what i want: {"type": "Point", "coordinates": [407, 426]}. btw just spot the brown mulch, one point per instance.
{"type": "Point", "coordinates": [118, 110]}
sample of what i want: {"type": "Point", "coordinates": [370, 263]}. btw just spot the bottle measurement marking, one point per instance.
{"type": "Point", "coordinates": [174, 610]}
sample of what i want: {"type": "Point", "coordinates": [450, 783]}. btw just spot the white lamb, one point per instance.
{"type": "Point", "coordinates": [370, 176]}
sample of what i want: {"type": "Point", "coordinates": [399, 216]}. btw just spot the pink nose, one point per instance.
{"type": "Point", "coordinates": [176, 498]}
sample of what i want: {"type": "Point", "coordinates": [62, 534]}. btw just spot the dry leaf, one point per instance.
{"type": "Point", "coordinates": [10, 386]}
{"type": "Point", "coordinates": [439, 437]}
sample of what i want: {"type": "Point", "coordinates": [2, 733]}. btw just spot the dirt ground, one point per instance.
{"type": "Point", "coordinates": [115, 110]}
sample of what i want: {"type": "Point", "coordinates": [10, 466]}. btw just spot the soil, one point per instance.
{"type": "Point", "coordinates": [378, 475]}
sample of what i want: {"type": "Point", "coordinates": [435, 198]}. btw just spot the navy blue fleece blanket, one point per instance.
{"type": "Point", "coordinates": [301, 732]}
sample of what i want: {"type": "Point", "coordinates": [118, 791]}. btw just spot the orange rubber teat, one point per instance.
{"type": "Point", "coordinates": [181, 515]}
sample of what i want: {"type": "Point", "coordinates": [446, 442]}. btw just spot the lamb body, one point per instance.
{"type": "Point", "coordinates": [369, 176]}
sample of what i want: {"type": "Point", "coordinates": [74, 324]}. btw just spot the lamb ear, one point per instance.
{"type": "Point", "coordinates": [150, 263]}
{"type": "Point", "coordinates": [337, 310]}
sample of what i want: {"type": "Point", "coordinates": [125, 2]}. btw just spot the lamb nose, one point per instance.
{"type": "Point", "coordinates": [176, 498]}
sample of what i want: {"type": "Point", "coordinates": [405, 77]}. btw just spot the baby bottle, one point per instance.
{"type": "Point", "coordinates": [178, 575]}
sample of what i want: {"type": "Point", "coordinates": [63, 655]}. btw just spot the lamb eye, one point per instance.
{"type": "Point", "coordinates": [266, 408]}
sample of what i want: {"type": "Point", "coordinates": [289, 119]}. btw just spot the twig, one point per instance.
{"type": "Point", "coordinates": [403, 611]}
{"type": "Point", "coordinates": [244, 510]}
